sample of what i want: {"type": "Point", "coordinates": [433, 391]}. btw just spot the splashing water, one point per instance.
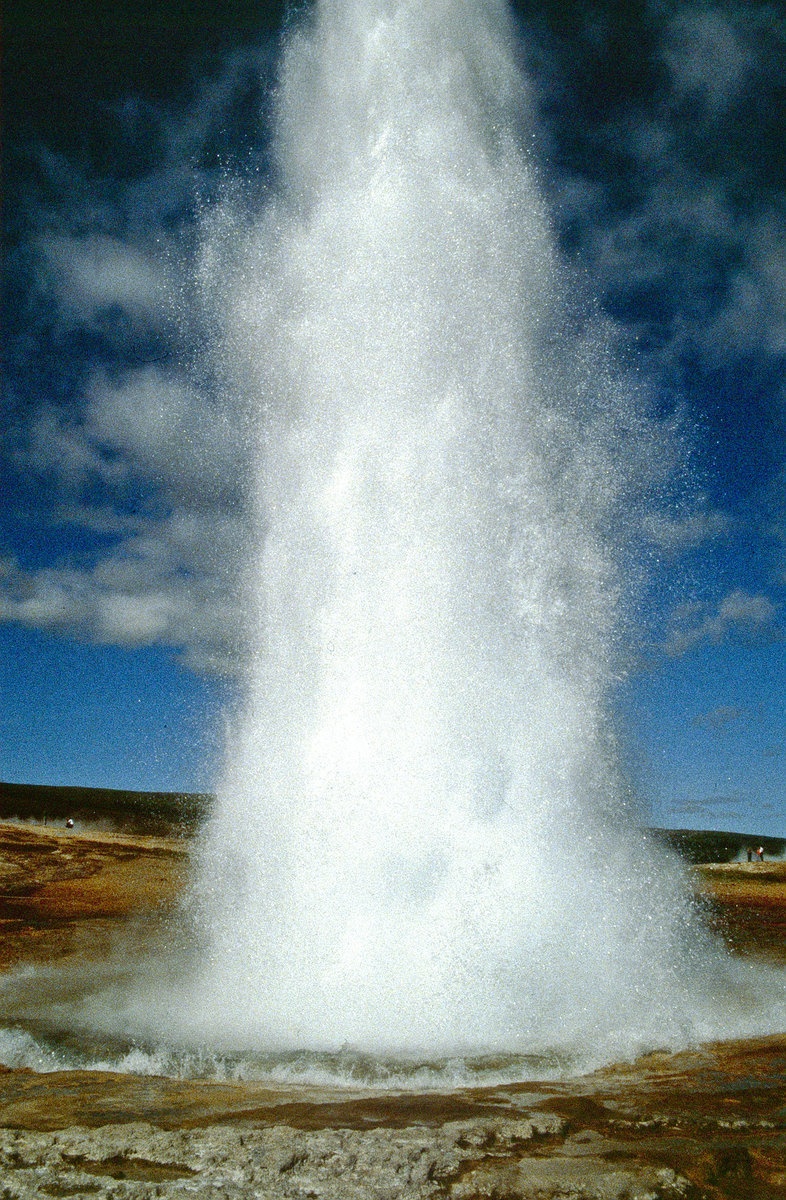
{"type": "Point", "coordinates": [421, 843]}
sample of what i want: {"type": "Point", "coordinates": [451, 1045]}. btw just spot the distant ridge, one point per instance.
{"type": "Point", "coordinates": [714, 846]}
{"type": "Point", "coordinates": [159, 812]}
{"type": "Point", "coordinates": [142, 812]}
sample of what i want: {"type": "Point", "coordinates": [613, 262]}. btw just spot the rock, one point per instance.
{"type": "Point", "coordinates": [461, 1159]}
{"type": "Point", "coordinates": [561, 1178]}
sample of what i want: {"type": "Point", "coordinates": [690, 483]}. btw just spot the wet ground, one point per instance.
{"type": "Point", "coordinates": [706, 1123]}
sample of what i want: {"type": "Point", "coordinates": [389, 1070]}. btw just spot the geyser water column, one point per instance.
{"type": "Point", "coordinates": [415, 846]}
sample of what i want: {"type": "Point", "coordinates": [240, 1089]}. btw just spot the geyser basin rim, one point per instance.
{"type": "Point", "coordinates": [35, 1048]}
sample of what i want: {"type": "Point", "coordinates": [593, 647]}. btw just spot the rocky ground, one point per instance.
{"type": "Point", "coordinates": [710, 1123]}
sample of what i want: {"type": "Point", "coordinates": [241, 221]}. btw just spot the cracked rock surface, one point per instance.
{"type": "Point", "coordinates": [464, 1160]}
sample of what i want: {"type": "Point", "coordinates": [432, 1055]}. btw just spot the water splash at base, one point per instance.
{"type": "Point", "coordinates": [421, 843]}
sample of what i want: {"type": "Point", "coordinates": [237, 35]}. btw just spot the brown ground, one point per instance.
{"type": "Point", "coordinates": [747, 905]}
{"type": "Point", "coordinates": [61, 890]}
{"type": "Point", "coordinates": [715, 1116]}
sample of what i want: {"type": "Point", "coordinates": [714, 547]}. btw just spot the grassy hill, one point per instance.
{"type": "Point", "coordinates": [164, 812]}
{"type": "Point", "coordinates": [140, 812]}
{"type": "Point", "coordinates": [714, 846]}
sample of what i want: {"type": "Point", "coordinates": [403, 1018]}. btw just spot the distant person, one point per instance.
{"type": "Point", "coordinates": [750, 854]}
{"type": "Point", "coordinates": [69, 823]}
{"type": "Point", "coordinates": [760, 853]}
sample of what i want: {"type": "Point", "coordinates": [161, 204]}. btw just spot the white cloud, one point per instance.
{"type": "Point", "coordinates": [740, 615]}
{"type": "Point", "coordinates": [675, 535]}
{"type": "Point", "coordinates": [147, 464]}
{"type": "Point", "coordinates": [174, 584]}
{"type": "Point", "coordinates": [696, 254]}
{"type": "Point", "coordinates": [163, 425]}
{"type": "Point", "coordinates": [718, 272]}
{"type": "Point", "coordinates": [755, 313]}
{"type": "Point", "coordinates": [150, 423]}
{"type": "Point", "coordinates": [740, 608]}
{"type": "Point", "coordinates": [58, 444]}
{"type": "Point", "coordinates": [92, 273]}
{"type": "Point", "coordinates": [168, 574]}
{"type": "Point", "coordinates": [139, 619]}
{"type": "Point", "coordinates": [707, 56]}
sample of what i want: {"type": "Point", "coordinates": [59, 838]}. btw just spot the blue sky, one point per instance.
{"type": "Point", "coordinates": [124, 517]}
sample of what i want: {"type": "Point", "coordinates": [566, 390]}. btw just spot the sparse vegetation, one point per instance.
{"type": "Point", "coordinates": [137, 812]}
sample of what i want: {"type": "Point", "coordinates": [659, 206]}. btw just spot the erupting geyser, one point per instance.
{"type": "Point", "coordinates": [419, 844]}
